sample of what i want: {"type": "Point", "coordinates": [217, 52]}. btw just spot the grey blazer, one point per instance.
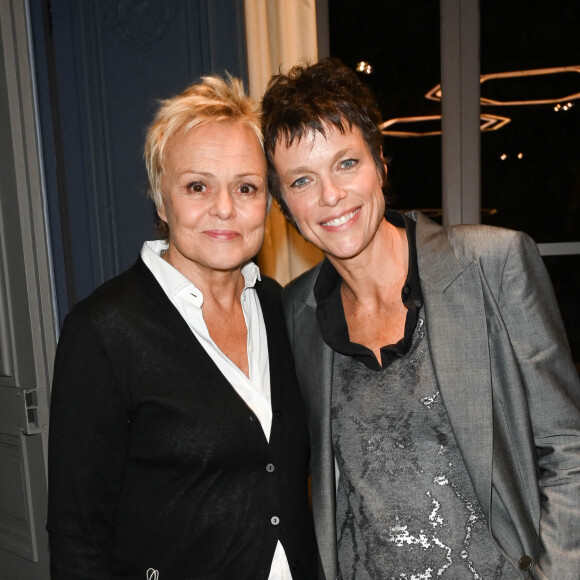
{"type": "Point", "coordinates": [507, 380]}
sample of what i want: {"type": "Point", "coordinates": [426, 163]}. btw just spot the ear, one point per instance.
{"type": "Point", "coordinates": [161, 212]}
{"type": "Point", "coordinates": [385, 169]}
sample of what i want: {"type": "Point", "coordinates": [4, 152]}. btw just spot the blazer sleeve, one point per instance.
{"type": "Point", "coordinates": [87, 454]}
{"type": "Point", "coordinates": [552, 386]}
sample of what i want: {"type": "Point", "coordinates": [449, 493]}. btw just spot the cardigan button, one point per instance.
{"type": "Point", "coordinates": [525, 563]}
{"type": "Point", "coordinates": [277, 413]}
{"type": "Point", "coordinates": [275, 520]}
{"type": "Point", "coordinates": [270, 467]}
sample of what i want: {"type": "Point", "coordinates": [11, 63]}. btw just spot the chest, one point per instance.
{"type": "Point", "coordinates": [375, 328]}
{"type": "Point", "coordinates": [230, 333]}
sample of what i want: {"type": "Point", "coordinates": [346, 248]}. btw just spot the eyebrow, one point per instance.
{"type": "Point", "coordinates": [335, 158]}
{"type": "Point", "coordinates": [200, 173]}
{"type": "Point", "coordinates": [210, 175]}
{"type": "Point", "coordinates": [342, 153]}
{"type": "Point", "coordinates": [251, 174]}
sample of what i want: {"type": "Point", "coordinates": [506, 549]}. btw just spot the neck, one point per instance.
{"type": "Point", "coordinates": [223, 287]}
{"type": "Point", "coordinates": [382, 266]}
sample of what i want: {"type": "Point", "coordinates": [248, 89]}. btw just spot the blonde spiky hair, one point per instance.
{"type": "Point", "coordinates": [211, 100]}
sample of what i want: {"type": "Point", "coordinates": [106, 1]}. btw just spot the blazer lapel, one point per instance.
{"type": "Point", "coordinates": [317, 376]}
{"type": "Point", "coordinates": [458, 340]}
{"type": "Point", "coordinates": [315, 379]}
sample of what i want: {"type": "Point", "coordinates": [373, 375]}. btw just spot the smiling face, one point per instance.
{"type": "Point", "coordinates": [333, 190]}
{"type": "Point", "coordinates": [214, 198]}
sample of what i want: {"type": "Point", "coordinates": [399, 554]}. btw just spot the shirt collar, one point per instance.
{"type": "Point", "coordinates": [330, 311]}
{"type": "Point", "coordinates": [174, 282]}
{"type": "Point", "coordinates": [328, 277]}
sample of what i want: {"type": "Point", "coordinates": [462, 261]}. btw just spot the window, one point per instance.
{"type": "Point", "coordinates": [530, 148]}
{"type": "Point", "coordinates": [398, 42]}
{"type": "Point", "coordinates": [530, 67]}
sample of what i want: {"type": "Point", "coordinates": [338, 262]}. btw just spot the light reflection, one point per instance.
{"type": "Point", "coordinates": [488, 123]}
{"type": "Point", "coordinates": [435, 93]}
{"type": "Point", "coordinates": [364, 67]}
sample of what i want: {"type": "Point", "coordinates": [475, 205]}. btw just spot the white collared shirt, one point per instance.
{"type": "Point", "coordinates": [255, 390]}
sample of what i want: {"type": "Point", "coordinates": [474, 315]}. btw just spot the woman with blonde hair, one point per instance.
{"type": "Point", "coordinates": [179, 445]}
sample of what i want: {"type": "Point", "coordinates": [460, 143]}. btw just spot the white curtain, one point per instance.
{"type": "Point", "coordinates": [280, 34]}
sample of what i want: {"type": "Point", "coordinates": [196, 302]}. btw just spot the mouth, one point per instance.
{"type": "Point", "coordinates": [339, 221]}
{"type": "Point", "coordinates": [222, 234]}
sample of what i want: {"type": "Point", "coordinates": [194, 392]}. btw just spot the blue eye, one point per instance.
{"type": "Point", "coordinates": [300, 182]}
{"type": "Point", "coordinates": [348, 163]}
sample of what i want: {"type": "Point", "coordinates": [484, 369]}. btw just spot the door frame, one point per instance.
{"type": "Point", "coordinates": [28, 328]}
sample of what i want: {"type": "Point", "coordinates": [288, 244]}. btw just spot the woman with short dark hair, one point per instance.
{"type": "Point", "coordinates": [444, 405]}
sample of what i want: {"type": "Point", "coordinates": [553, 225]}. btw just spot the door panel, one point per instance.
{"type": "Point", "coordinates": [17, 526]}
{"type": "Point", "coordinates": [101, 66]}
{"type": "Point", "coordinates": [112, 62]}
{"type": "Point", "coordinates": [27, 317]}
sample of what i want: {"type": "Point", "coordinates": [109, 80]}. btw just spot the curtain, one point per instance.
{"type": "Point", "coordinates": [280, 34]}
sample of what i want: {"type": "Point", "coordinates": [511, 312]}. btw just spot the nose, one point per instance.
{"type": "Point", "coordinates": [332, 193]}
{"type": "Point", "coordinates": [223, 206]}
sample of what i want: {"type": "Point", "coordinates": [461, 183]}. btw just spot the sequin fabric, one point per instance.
{"type": "Point", "coordinates": [406, 508]}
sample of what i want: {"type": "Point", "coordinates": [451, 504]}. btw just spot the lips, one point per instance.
{"type": "Point", "coordinates": [222, 234]}
{"type": "Point", "coordinates": [341, 220]}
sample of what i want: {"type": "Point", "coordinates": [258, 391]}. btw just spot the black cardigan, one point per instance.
{"type": "Point", "coordinates": [155, 462]}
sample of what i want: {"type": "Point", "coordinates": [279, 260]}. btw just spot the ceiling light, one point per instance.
{"type": "Point", "coordinates": [488, 123]}
{"type": "Point", "coordinates": [435, 93]}
{"type": "Point", "coordinates": [364, 67]}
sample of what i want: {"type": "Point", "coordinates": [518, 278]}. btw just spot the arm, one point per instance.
{"type": "Point", "coordinates": [537, 334]}
{"type": "Point", "coordinates": [87, 454]}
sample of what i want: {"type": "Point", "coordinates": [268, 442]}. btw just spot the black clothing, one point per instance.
{"type": "Point", "coordinates": [330, 311]}
{"type": "Point", "coordinates": [155, 461]}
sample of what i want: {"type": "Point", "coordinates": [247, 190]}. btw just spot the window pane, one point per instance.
{"type": "Point", "coordinates": [531, 166]}
{"type": "Point", "coordinates": [400, 40]}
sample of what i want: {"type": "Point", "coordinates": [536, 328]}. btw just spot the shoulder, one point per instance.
{"type": "Point", "coordinates": [477, 241]}
{"type": "Point", "coordinates": [443, 253]}
{"type": "Point", "coordinates": [268, 287]}
{"type": "Point", "coordinates": [268, 291]}
{"type": "Point", "coordinates": [503, 255]}
{"type": "Point", "coordinates": [472, 242]}
{"type": "Point", "coordinates": [485, 237]}
{"type": "Point", "coordinates": [300, 289]}
{"type": "Point", "coordinates": [121, 298]}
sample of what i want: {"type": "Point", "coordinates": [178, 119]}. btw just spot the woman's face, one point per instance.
{"type": "Point", "coordinates": [333, 189]}
{"type": "Point", "coordinates": [214, 197]}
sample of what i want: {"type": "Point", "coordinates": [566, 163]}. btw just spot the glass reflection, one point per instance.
{"type": "Point", "coordinates": [531, 167]}
{"type": "Point", "coordinates": [400, 41]}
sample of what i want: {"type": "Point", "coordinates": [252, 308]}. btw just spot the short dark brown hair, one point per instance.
{"type": "Point", "coordinates": [310, 97]}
